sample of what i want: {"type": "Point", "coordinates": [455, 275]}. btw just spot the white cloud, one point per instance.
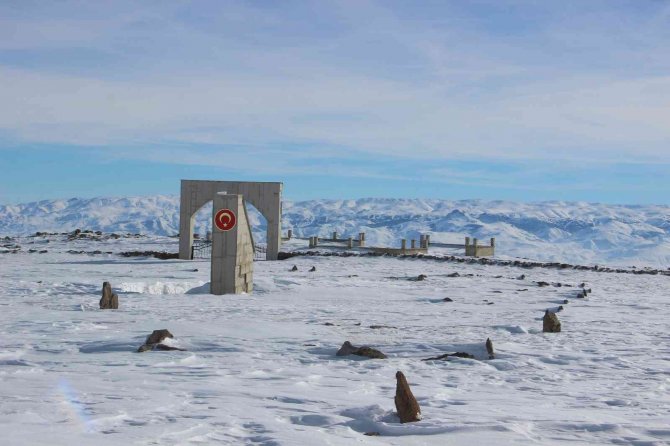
{"type": "Point", "coordinates": [376, 82]}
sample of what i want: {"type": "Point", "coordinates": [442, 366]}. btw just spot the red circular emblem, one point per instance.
{"type": "Point", "coordinates": [225, 220]}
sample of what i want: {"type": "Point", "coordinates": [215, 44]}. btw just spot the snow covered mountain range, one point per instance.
{"type": "Point", "coordinates": [557, 231]}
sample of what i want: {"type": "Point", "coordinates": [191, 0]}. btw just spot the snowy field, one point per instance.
{"type": "Point", "coordinates": [261, 368]}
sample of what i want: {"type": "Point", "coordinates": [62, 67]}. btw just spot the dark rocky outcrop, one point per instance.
{"type": "Point", "coordinates": [295, 268]}
{"type": "Point", "coordinates": [421, 277]}
{"type": "Point", "coordinates": [109, 300]}
{"type": "Point", "coordinates": [405, 403]}
{"type": "Point", "coordinates": [369, 352]}
{"type": "Point", "coordinates": [162, 255]}
{"type": "Point", "coordinates": [550, 323]}
{"type": "Point", "coordinates": [447, 299]}
{"type": "Point", "coordinates": [312, 269]}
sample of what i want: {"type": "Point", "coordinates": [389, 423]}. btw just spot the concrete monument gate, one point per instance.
{"type": "Point", "coordinates": [265, 196]}
{"type": "Point", "coordinates": [232, 247]}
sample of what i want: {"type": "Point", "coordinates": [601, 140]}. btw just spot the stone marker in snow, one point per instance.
{"type": "Point", "coordinates": [489, 348]}
{"type": "Point", "coordinates": [405, 403]}
{"type": "Point", "coordinates": [108, 300]}
{"type": "Point", "coordinates": [369, 352]}
{"type": "Point", "coordinates": [550, 323]}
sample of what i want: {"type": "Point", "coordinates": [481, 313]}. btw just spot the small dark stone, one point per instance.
{"type": "Point", "coordinates": [167, 347]}
{"type": "Point", "coordinates": [153, 341]}
{"type": "Point", "coordinates": [158, 335]}
{"type": "Point", "coordinates": [521, 277]}
{"type": "Point", "coordinates": [194, 270]}
{"type": "Point", "coordinates": [542, 284]}
{"type": "Point", "coordinates": [346, 349]}
{"type": "Point", "coordinates": [448, 355]}
{"type": "Point", "coordinates": [490, 303]}
{"type": "Point", "coordinates": [313, 269]}
{"type": "Point", "coordinates": [421, 277]}
{"type": "Point", "coordinates": [328, 324]}
{"type": "Point", "coordinates": [565, 301]}
{"type": "Point", "coordinates": [377, 327]}
{"type": "Point", "coordinates": [108, 300]}
{"type": "Point", "coordinates": [453, 275]}
{"type": "Point", "coordinates": [372, 434]}
{"type": "Point", "coordinates": [405, 403]}
{"type": "Point", "coordinates": [550, 323]}
{"type": "Point", "coordinates": [369, 352]}
{"type": "Point", "coordinates": [447, 299]}
{"type": "Point", "coordinates": [295, 268]}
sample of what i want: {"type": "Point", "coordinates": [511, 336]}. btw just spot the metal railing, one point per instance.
{"type": "Point", "coordinates": [202, 249]}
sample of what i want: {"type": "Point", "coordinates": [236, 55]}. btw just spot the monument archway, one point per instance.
{"type": "Point", "coordinates": [265, 196]}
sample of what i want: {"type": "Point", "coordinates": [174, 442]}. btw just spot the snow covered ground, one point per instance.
{"type": "Point", "coordinates": [261, 368]}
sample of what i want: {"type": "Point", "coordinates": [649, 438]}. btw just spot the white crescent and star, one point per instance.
{"type": "Point", "coordinates": [225, 219]}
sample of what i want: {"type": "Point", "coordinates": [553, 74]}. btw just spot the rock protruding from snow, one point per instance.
{"type": "Point", "coordinates": [464, 355]}
{"type": "Point", "coordinates": [109, 300]}
{"type": "Point", "coordinates": [489, 348]}
{"type": "Point", "coordinates": [405, 403]}
{"type": "Point", "coordinates": [155, 339]}
{"type": "Point", "coordinates": [550, 323]}
{"type": "Point", "coordinates": [369, 352]}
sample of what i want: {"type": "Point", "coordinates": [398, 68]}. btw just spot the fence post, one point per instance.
{"type": "Point", "coordinates": [350, 242]}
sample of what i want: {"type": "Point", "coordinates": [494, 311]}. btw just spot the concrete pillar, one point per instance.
{"type": "Point", "coordinates": [334, 235]}
{"type": "Point", "coordinates": [350, 242]}
{"type": "Point", "coordinates": [290, 234]}
{"type": "Point", "coordinates": [427, 241]}
{"type": "Point", "coordinates": [403, 244]}
{"type": "Point", "coordinates": [361, 239]}
{"type": "Point", "coordinates": [311, 242]}
{"type": "Point", "coordinates": [467, 241]}
{"type": "Point", "coordinates": [493, 242]}
{"type": "Point", "coordinates": [232, 249]}
{"type": "Point", "coordinates": [413, 244]}
{"type": "Point", "coordinates": [316, 241]}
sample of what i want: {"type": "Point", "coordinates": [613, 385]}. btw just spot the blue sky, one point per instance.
{"type": "Point", "coordinates": [518, 100]}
